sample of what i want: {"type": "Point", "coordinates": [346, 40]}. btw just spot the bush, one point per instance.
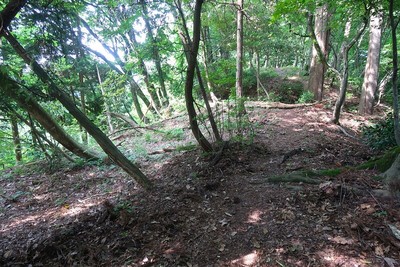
{"type": "Point", "coordinates": [289, 91]}
{"type": "Point", "coordinates": [380, 136]}
{"type": "Point", "coordinates": [306, 97]}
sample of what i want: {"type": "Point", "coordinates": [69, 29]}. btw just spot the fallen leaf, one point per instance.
{"type": "Point", "coordinates": [395, 231]}
{"type": "Point", "coordinates": [7, 254]}
{"type": "Point", "coordinates": [342, 241]}
{"type": "Point", "coordinates": [379, 251]}
{"type": "Point", "coordinates": [223, 222]}
{"type": "Point", "coordinates": [256, 244]}
{"type": "Point", "coordinates": [390, 262]}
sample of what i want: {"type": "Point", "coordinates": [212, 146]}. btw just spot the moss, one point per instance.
{"type": "Point", "coordinates": [317, 173]}
{"type": "Point", "coordinates": [382, 163]}
{"type": "Point", "coordinates": [292, 178]}
{"type": "Point", "coordinates": [329, 172]}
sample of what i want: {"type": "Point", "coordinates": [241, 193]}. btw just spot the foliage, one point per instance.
{"type": "Point", "coordinates": [380, 136]}
{"type": "Point", "coordinates": [187, 147]}
{"type": "Point", "coordinates": [290, 91]}
{"type": "Point", "coordinates": [174, 134]}
{"type": "Point", "coordinates": [306, 97]}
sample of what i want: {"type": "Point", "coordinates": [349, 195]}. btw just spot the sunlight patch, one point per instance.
{"type": "Point", "coordinates": [33, 219]}
{"type": "Point", "coordinates": [255, 216]}
{"type": "Point", "coordinates": [334, 258]}
{"type": "Point", "coordinates": [247, 260]}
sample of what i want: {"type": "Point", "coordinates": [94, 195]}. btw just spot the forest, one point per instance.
{"type": "Point", "coordinates": [199, 133]}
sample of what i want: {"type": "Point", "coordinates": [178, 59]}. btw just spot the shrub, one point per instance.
{"type": "Point", "coordinates": [289, 91]}
{"type": "Point", "coordinates": [306, 97]}
{"type": "Point", "coordinates": [380, 136]}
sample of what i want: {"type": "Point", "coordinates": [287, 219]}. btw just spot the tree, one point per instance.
{"type": "Point", "coordinates": [371, 75]}
{"type": "Point", "coordinates": [105, 143]}
{"type": "Point", "coordinates": [392, 175]}
{"type": "Point", "coordinates": [192, 61]}
{"type": "Point", "coordinates": [239, 57]}
{"type": "Point", "coordinates": [155, 51]}
{"type": "Point", "coordinates": [16, 138]}
{"type": "Point", "coordinates": [344, 74]}
{"type": "Point", "coordinates": [187, 44]}
{"type": "Point", "coordinates": [26, 101]}
{"type": "Point", "coordinates": [317, 67]}
{"type": "Point", "coordinates": [120, 66]}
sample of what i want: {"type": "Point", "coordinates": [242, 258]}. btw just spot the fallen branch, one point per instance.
{"type": "Point", "coordinates": [161, 151]}
{"type": "Point", "coordinates": [346, 133]}
{"type": "Point", "coordinates": [276, 105]}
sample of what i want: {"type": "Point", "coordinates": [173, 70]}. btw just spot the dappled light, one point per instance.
{"type": "Point", "coordinates": [332, 257]}
{"type": "Point", "coordinates": [255, 216]}
{"type": "Point", "coordinates": [203, 214]}
{"type": "Point", "coordinates": [247, 260]}
{"type": "Point", "coordinates": [199, 133]}
{"type": "Point", "coordinates": [49, 216]}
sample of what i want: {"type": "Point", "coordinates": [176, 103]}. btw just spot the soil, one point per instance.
{"type": "Point", "coordinates": [207, 212]}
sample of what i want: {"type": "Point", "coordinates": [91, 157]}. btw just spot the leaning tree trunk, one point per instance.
{"type": "Point", "coordinates": [370, 83]}
{"type": "Point", "coordinates": [37, 136]}
{"type": "Point", "coordinates": [105, 143]}
{"type": "Point", "coordinates": [26, 101]}
{"type": "Point", "coordinates": [201, 139]}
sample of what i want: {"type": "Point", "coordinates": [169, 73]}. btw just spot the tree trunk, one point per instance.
{"type": "Point", "coordinates": [106, 106]}
{"type": "Point", "coordinates": [134, 87]}
{"type": "Point", "coordinates": [155, 51]}
{"type": "Point", "coordinates": [239, 57]}
{"type": "Point", "coordinates": [125, 118]}
{"type": "Point", "coordinates": [105, 143]}
{"type": "Point", "coordinates": [393, 26]}
{"type": "Point", "coordinates": [344, 76]}
{"type": "Point", "coordinates": [392, 176]}
{"type": "Point", "coordinates": [37, 136]}
{"type": "Point", "coordinates": [205, 145]}
{"type": "Point", "coordinates": [208, 58]}
{"type": "Point", "coordinates": [343, 88]}
{"type": "Point", "coordinates": [16, 138]}
{"type": "Point", "coordinates": [80, 54]}
{"type": "Point", "coordinates": [134, 91]}
{"type": "Point", "coordinates": [27, 102]}
{"type": "Point", "coordinates": [382, 85]}
{"type": "Point", "coordinates": [317, 67]}
{"type": "Point", "coordinates": [150, 87]}
{"type": "Point", "coordinates": [372, 66]}
{"type": "Point", "coordinates": [187, 42]}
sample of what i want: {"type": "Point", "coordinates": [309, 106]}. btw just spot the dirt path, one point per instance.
{"type": "Point", "coordinates": [227, 214]}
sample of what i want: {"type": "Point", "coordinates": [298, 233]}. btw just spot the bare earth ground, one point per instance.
{"type": "Point", "coordinates": [200, 214]}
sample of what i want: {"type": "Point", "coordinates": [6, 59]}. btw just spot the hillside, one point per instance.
{"type": "Point", "coordinates": [237, 211]}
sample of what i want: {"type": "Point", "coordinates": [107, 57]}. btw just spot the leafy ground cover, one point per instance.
{"type": "Point", "coordinates": [206, 213]}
